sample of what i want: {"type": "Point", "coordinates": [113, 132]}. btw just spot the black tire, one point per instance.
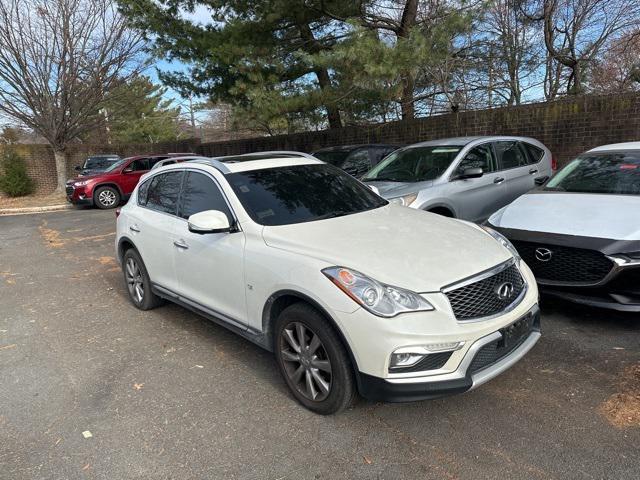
{"type": "Point", "coordinates": [149, 299]}
{"type": "Point", "coordinates": [106, 198]}
{"type": "Point", "coordinates": [342, 389]}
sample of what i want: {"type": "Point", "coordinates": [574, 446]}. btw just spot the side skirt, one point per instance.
{"type": "Point", "coordinates": [250, 334]}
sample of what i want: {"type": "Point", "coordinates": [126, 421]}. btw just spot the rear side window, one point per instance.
{"type": "Point", "coordinates": [153, 160]}
{"type": "Point", "coordinates": [163, 192]}
{"type": "Point", "coordinates": [510, 155]}
{"type": "Point", "coordinates": [143, 189]}
{"type": "Point", "coordinates": [535, 153]}
{"type": "Point", "coordinates": [201, 193]}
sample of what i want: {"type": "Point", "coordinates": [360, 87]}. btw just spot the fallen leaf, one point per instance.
{"type": "Point", "coordinates": [7, 347]}
{"type": "Point", "coordinates": [367, 460]}
{"type": "Point", "coordinates": [138, 386]}
{"type": "Point", "coordinates": [86, 467]}
{"type": "Point", "coordinates": [87, 434]}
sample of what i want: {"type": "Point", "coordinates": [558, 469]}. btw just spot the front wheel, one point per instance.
{"type": "Point", "coordinates": [106, 197]}
{"type": "Point", "coordinates": [313, 360]}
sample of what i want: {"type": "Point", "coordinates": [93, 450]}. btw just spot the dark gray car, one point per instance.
{"type": "Point", "coordinates": [464, 177]}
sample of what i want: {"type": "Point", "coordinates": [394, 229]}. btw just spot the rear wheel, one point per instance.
{"type": "Point", "coordinates": [138, 282]}
{"type": "Point", "coordinates": [106, 197]}
{"type": "Point", "coordinates": [313, 360]}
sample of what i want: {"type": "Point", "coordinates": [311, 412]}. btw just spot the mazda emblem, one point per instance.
{"type": "Point", "coordinates": [543, 254]}
{"type": "Point", "coordinates": [504, 291]}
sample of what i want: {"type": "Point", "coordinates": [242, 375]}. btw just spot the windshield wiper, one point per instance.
{"type": "Point", "coordinates": [334, 214]}
{"type": "Point", "coordinates": [381, 179]}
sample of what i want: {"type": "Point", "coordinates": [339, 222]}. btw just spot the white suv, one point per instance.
{"type": "Point", "coordinates": [352, 294]}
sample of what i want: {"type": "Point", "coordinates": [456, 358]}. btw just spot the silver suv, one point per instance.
{"type": "Point", "coordinates": [464, 177]}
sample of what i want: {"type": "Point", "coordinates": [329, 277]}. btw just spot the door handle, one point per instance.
{"type": "Point", "coordinates": [134, 228]}
{"type": "Point", "coordinates": [498, 180]}
{"type": "Point", "coordinates": [181, 244]}
{"type": "Point", "coordinates": [532, 171]}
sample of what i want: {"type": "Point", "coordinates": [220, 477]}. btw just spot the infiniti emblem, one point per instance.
{"type": "Point", "coordinates": [504, 291]}
{"type": "Point", "coordinates": [543, 254]}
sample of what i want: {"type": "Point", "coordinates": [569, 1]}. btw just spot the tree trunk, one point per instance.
{"type": "Point", "coordinates": [333, 114]}
{"type": "Point", "coordinates": [408, 20]}
{"type": "Point", "coordinates": [61, 169]}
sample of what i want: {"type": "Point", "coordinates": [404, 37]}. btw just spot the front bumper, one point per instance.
{"type": "Point", "coordinates": [464, 378]}
{"type": "Point", "coordinates": [78, 196]}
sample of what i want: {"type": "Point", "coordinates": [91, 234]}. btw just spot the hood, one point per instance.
{"type": "Point", "coordinates": [395, 245]}
{"type": "Point", "coordinates": [616, 217]}
{"type": "Point", "coordinates": [82, 178]}
{"type": "Point", "coordinates": [397, 189]}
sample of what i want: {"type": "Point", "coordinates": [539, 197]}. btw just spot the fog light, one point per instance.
{"type": "Point", "coordinates": [400, 360]}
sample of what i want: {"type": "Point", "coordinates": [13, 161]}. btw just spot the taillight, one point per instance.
{"type": "Point", "coordinates": [554, 163]}
{"type": "Point", "coordinates": [118, 212]}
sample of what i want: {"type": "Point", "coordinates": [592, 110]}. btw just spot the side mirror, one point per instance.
{"type": "Point", "coordinates": [77, 168]}
{"type": "Point", "coordinates": [209, 221]}
{"type": "Point", "coordinates": [471, 173]}
{"type": "Point", "coordinates": [129, 169]}
{"type": "Point", "coordinates": [374, 188]}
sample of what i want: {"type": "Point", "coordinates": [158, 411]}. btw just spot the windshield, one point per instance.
{"type": "Point", "coordinates": [334, 157]}
{"type": "Point", "coordinates": [600, 172]}
{"type": "Point", "coordinates": [414, 164]}
{"type": "Point", "coordinates": [301, 193]}
{"type": "Point", "coordinates": [116, 165]}
{"type": "Point", "coordinates": [99, 163]}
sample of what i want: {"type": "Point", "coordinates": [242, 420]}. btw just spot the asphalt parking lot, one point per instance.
{"type": "Point", "coordinates": [167, 394]}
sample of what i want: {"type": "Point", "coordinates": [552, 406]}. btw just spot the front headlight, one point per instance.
{"type": "Point", "coordinates": [380, 299]}
{"type": "Point", "coordinates": [404, 200]}
{"type": "Point", "coordinates": [502, 240]}
{"type": "Point", "coordinates": [81, 183]}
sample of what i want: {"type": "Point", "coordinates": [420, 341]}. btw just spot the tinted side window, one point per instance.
{"type": "Point", "coordinates": [153, 160]}
{"type": "Point", "coordinates": [535, 153]}
{"type": "Point", "coordinates": [357, 163]}
{"type": "Point", "coordinates": [139, 165]}
{"type": "Point", "coordinates": [143, 190]}
{"type": "Point", "coordinates": [163, 192]}
{"type": "Point", "coordinates": [478, 157]}
{"type": "Point", "coordinates": [200, 193]}
{"type": "Point", "coordinates": [510, 155]}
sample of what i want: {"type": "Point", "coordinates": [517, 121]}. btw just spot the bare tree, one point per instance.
{"type": "Point", "coordinates": [619, 68]}
{"type": "Point", "coordinates": [58, 58]}
{"type": "Point", "coordinates": [576, 31]}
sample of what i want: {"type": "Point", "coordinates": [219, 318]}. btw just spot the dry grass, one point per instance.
{"type": "Point", "coordinates": [32, 201]}
{"type": "Point", "coordinates": [622, 409]}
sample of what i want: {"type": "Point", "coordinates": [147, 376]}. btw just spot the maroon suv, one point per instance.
{"type": "Point", "coordinates": [107, 189]}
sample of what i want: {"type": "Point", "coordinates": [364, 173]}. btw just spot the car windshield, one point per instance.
{"type": "Point", "coordinates": [116, 165]}
{"type": "Point", "coordinates": [301, 193]}
{"type": "Point", "coordinates": [99, 163]}
{"type": "Point", "coordinates": [414, 164]}
{"type": "Point", "coordinates": [334, 157]}
{"type": "Point", "coordinates": [600, 172]}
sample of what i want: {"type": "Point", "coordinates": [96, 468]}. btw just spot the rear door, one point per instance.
{"type": "Point", "coordinates": [152, 227]}
{"type": "Point", "coordinates": [211, 266]}
{"type": "Point", "coordinates": [477, 198]}
{"type": "Point", "coordinates": [540, 163]}
{"type": "Point", "coordinates": [514, 167]}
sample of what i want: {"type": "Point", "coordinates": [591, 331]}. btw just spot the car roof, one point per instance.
{"type": "Point", "coordinates": [347, 148]}
{"type": "Point", "coordinates": [617, 146]}
{"type": "Point", "coordinates": [243, 166]}
{"type": "Point", "coordinates": [463, 141]}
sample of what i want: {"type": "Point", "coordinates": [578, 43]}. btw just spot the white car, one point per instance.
{"type": "Point", "coordinates": [580, 233]}
{"type": "Point", "coordinates": [351, 293]}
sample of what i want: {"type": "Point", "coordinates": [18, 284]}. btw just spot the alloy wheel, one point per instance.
{"type": "Point", "coordinates": [107, 198]}
{"type": "Point", "coordinates": [134, 280]}
{"type": "Point", "coordinates": [305, 361]}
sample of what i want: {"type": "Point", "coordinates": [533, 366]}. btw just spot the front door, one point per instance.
{"type": "Point", "coordinates": [211, 266]}
{"type": "Point", "coordinates": [131, 175]}
{"type": "Point", "coordinates": [477, 198]}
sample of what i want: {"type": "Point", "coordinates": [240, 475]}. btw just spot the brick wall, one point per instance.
{"type": "Point", "coordinates": [568, 127]}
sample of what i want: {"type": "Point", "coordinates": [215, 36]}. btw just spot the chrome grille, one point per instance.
{"type": "Point", "coordinates": [69, 191]}
{"type": "Point", "coordinates": [473, 300]}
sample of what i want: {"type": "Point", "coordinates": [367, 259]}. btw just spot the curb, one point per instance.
{"type": "Point", "coordinates": [28, 210]}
